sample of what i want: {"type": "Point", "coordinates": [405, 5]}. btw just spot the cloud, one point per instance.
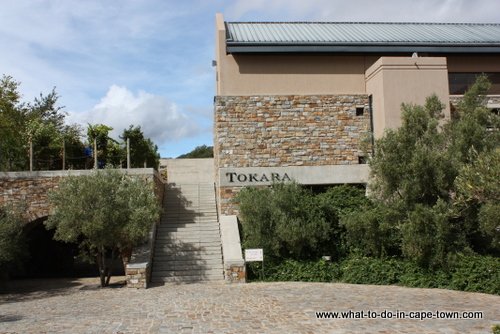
{"type": "Point", "coordinates": [159, 119]}
{"type": "Point", "coordinates": [365, 10]}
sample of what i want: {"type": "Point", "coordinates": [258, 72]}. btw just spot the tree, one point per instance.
{"type": "Point", "coordinates": [109, 151]}
{"type": "Point", "coordinates": [478, 186]}
{"type": "Point", "coordinates": [12, 242]}
{"type": "Point", "coordinates": [435, 178]}
{"type": "Point", "coordinates": [107, 213]}
{"type": "Point", "coordinates": [202, 151]}
{"type": "Point", "coordinates": [40, 123]}
{"type": "Point", "coordinates": [143, 152]}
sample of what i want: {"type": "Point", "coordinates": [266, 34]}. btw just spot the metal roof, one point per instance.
{"type": "Point", "coordinates": [361, 37]}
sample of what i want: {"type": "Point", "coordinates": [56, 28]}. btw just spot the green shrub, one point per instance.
{"type": "Point", "coordinates": [365, 270]}
{"type": "Point", "coordinates": [292, 271]}
{"type": "Point", "coordinates": [284, 220]}
{"type": "Point", "coordinates": [13, 245]}
{"type": "Point", "coordinates": [477, 274]}
{"type": "Point", "coordinates": [372, 232]}
{"type": "Point", "coordinates": [290, 222]}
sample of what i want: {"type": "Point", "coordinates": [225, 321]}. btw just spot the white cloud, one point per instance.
{"type": "Point", "coordinates": [160, 119]}
{"type": "Point", "coordinates": [366, 10]}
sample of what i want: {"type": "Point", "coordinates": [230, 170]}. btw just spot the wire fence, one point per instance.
{"type": "Point", "coordinates": [66, 156]}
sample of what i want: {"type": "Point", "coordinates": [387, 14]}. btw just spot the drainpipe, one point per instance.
{"type": "Point", "coordinates": [370, 108]}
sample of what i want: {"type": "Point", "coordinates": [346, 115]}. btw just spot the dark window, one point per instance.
{"type": "Point", "coordinates": [460, 82]}
{"type": "Point", "coordinates": [360, 111]}
{"type": "Point", "coordinates": [361, 160]}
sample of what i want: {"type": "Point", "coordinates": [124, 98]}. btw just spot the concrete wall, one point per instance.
{"type": "Point", "coordinates": [396, 80]}
{"type": "Point", "coordinates": [287, 74]}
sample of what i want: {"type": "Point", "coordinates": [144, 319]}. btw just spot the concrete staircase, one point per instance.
{"type": "Point", "coordinates": [188, 242]}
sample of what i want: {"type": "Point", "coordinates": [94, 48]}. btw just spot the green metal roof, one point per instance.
{"type": "Point", "coordinates": [362, 37]}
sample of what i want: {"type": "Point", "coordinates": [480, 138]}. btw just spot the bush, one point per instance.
{"type": "Point", "coordinates": [290, 222]}
{"type": "Point", "coordinates": [12, 242]}
{"type": "Point", "coordinates": [284, 220]}
{"type": "Point", "coordinates": [303, 271]}
{"type": "Point", "coordinates": [365, 270]}
{"type": "Point", "coordinates": [477, 274]}
{"type": "Point", "coordinates": [372, 232]}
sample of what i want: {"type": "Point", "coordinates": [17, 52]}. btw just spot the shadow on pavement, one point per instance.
{"type": "Point", "coordinates": [31, 289]}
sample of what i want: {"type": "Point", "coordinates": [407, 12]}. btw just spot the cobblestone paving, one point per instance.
{"type": "Point", "coordinates": [81, 307]}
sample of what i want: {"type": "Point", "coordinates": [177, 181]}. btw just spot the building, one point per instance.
{"type": "Point", "coordinates": [301, 100]}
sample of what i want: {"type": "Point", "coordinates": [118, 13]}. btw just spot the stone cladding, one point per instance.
{"type": "Point", "coordinates": [32, 188]}
{"type": "Point", "coordinates": [490, 100]}
{"type": "Point", "coordinates": [32, 192]}
{"type": "Point", "coordinates": [291, 130]}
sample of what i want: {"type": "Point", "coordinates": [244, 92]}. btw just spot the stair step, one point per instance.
{"type": "Point", "coordinates": [196, 262]}
{"type": "Point", "coordinates": [188, 243]}
{"type": "Point", "coordinates": [189, 279]}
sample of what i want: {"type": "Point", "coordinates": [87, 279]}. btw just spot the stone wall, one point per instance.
{"type": "Point", "coordinates": [492, 101]}
{"type": "Point", "coordinates": [272, 131]}
{"type": "Point", "coordinates": [31, 192]}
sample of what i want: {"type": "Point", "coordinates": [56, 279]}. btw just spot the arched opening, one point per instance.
{"type": "Point", "coordinates": [49, 258]}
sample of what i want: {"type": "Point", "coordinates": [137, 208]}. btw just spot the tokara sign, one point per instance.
{"type": "Point", "coordinates": [261, 176]}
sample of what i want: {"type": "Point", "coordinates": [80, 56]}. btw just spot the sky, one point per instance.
{"type": "Point", "coordinates": [149, 62]}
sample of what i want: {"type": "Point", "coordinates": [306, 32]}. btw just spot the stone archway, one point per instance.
{"type": "Point", "coordinates": [49, 258]}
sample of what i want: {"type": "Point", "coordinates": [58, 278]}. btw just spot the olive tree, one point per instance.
{"type": "Point", "coordinates": [107, 213]}
{"type": "Point", "coordinates": [12, 242]}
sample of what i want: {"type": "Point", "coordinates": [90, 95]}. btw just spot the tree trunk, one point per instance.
{"type": "Point", "coordinates": [101, 265]}
{"type": "Point", "coordinates": [109, 268]}
{"type": "Point", "coordinates": [126, 254]}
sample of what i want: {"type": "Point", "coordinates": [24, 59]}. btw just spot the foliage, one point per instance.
{"type": "Point", "coordinates": [202, 151]}
{"type": "Point", "coordinates": [429, 235]}
{"type": "Point", "coordinates": [41, 123]}
{"type": "Point", "coordinates": [107, 213]}
{"type": "Point", "coordinates": [143, 152]}
{"type": "Point", "coordinates": [12, 243]}
{"type": "Point", "coordinates": [478, 186]}
{"type": "Point", "coordinates": [434, 185]}
{"type": "Point", "coordinates": [477, 274]}
{"type": "Point", "coordinates": [410, 164]}
{"type": "Point", "coordinates": [468, 273]}
{"type": "Point", "coordinates": [283, 219]}
{"type": "Point", "coordinates": [289, 221]}
{"type": "Point", "coordinates": [293, 270]}
{"type": "Point", "coordinates": [372, 232]}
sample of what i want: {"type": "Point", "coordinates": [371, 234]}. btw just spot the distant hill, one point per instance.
{"type": "Point", "coordinates": [202, 151]}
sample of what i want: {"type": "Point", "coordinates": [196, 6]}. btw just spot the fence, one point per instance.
{"type": "Point", "coordinates": [67, 155]}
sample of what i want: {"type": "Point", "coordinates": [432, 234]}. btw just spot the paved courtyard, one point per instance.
{"type": "Point", "coordinates": [79, 306]}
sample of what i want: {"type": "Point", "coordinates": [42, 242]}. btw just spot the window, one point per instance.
{"type": "Point", "coordinates": [361, 160]}
{"type": "Point", "coordinates": [360, 111]}
{"type": "Point", "coordinates": [460, 82]}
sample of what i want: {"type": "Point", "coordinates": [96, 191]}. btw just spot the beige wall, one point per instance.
{"type": "Point", "coordinates": [287, 74]}
{"type": "Point", "coordinates": [396, 80]}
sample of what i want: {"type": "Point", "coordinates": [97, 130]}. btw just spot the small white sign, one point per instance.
{"type": "Point", "coordinates": [253, 255]}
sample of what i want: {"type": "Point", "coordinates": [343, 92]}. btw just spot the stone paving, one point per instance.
{"type": "Point", "coordinates": [79, 306]}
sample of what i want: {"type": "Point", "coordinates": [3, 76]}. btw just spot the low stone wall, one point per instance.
{"type": "Point", "coordinates": [32, 188]}
{"type": "Point", "coordinates": [138, 270]}
{"type": "Point", "coordinates": [234, 265]}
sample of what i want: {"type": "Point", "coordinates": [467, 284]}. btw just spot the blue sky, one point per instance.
{"type": "Point", "coordinates": [148, 62]}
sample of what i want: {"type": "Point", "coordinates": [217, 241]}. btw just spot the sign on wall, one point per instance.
{"type": "Point", "coordinates": [261, 176]}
